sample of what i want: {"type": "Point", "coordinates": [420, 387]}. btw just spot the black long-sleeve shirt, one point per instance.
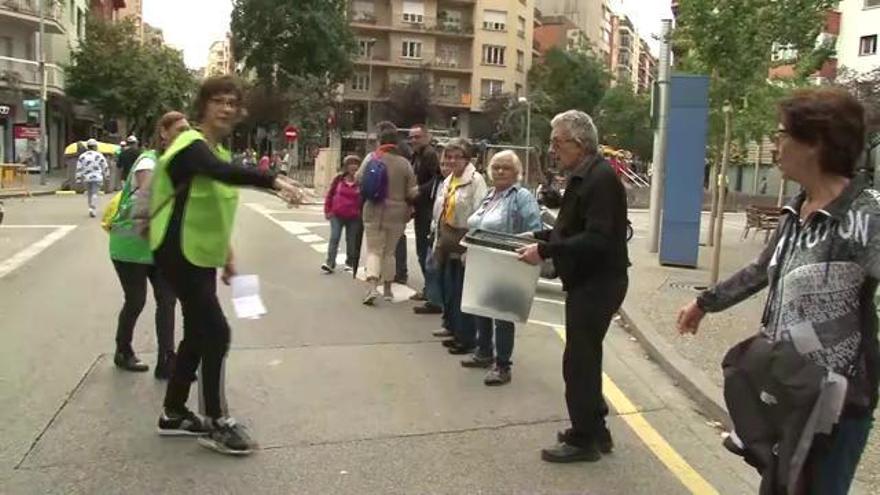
{"type": "Point", "coordinates": [426, 165]}
{"type": "Point", "coordinates": [588, 241]}
{"type": "Point", "coordinates": [198, 159]}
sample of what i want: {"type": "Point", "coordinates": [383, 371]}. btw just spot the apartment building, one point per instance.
{"type": "Point", "coordinates": [133, 10]}
{"type": "Point", "coordinates": [558, 31]}
{"type": "Point", "coordinates": [859, 31]}
{"type": "Point", "coordinates": [219, 58]}
{"type": "Point", "coordinates": [468, 50]}
{"type": "Point", "coordinates": [593, 17]}
{"type": "Point", "coordinates": [631, 60]}
{"type": "Point", "coordinates": [20, 80]}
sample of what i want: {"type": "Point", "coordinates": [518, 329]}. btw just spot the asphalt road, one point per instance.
{"type": "Point", "coordinates": [342, 398]}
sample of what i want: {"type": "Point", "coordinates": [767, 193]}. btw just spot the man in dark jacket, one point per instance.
{"type": "Point", "coordinates": [426, 165]}
{"type": "Point", "coordinates": [128, 156]}
{"type": "Point", "coordinates": [588, 248]}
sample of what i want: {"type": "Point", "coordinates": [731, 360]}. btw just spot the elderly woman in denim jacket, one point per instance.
{"type": "Point", "coordinates": [508, 208]}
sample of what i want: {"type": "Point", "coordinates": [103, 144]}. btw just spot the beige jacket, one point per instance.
{"type": "Point", "coordinates": [402, 189]}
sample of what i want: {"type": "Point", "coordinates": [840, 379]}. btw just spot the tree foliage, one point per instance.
{"type": "Point", "coordinates": [282, 41]}
{"type": "Point", "coordinates": [409, 103]}
{"type": "Point", "coordinates": [124, 78]}
{"type": "Point", "coordinates": [624, 121]}
{"type": "Point", "coordinates": [570, 79]}
{"type": "Point", "coordinates": [865, 87]}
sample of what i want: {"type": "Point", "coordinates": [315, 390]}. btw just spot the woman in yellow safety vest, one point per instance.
{"type": "Point", "coordinates": [193, 210]}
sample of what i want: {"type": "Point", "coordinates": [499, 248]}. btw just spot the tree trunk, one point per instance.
{"type": "Point", "coordinates": [722, 196]}
{"type": "Point", "coordinates": [713, 191]}
{"type": "Point", "coordinates": [758, 166]}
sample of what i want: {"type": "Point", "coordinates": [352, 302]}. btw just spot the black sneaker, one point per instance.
{"type": "Point", "coordinates": [449, 343]}
{"type": "Point", "coordinates": [326, 268]}
{"type": "Point", "coordinates": [565, 453]}
{"type": "Point", "coordinates": [605, 443]}
{"type": "Point", "coordinates": [460, 350]}
{"type": "Point", "coordinates": [228, 437]}
{"type": "Point", "coordinates": [477, 361]}
{"type": "Point", "coordinates": [185, 424]}
{"type": "Point", "coordinates": [129, 362]}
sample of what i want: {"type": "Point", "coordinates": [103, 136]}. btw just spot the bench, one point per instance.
{"type": "Point", "coordinates": [761, 218]}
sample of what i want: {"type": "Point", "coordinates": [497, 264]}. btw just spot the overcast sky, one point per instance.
{"type": "Point", "coordinates": [192, 25]}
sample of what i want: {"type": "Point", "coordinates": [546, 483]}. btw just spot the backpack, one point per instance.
{"type": "Point", "coordinates": [374, 183]}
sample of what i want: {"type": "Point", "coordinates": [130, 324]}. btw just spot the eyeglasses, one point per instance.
{"type": "Point", "coordinates": [232, 103]}
{"type": "Point", "coordinates": [555, 143]}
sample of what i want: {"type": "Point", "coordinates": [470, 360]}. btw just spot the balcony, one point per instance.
{"type": "Point", "coordinates": [28, 11]}
{"type": "Point", "coordinates": [427, 60]}
{"type": "Point", "coordinates": [25, 74]}
{"type": "Point", "coordinates": [413, 24]}
{"type": "Point", "coordinates": [460, 100]}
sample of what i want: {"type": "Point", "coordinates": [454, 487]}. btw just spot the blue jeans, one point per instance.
{"type": "Point", "coordinates": [460, 324]}
{"type": "Point", "coordinates": [352, 228]}
{"type": "Point", "coordinates": [832, 472]}
{"type": "Point", "coordinates": [433, 282]}
{"type": "Point", "coordinates": [503, 331]}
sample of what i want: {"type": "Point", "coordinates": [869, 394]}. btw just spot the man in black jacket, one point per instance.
{"type": "Point", "coordinates": [588, 248]}
{"type": "Point", "coordinates": [427, 168]}
{"type": "Point", "coordinates": [128, 156]}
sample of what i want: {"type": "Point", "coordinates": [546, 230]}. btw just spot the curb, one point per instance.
{"type": "Point", "coordinates": [708, 396]}
{"type": "Point", "coordinates": [25, 194]}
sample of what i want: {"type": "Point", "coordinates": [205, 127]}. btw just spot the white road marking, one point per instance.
{"type": "Point", "coordinates": [34, 226]}
{"type": "Point", "coordinates": [321, 248]}
{"type": "Point", "coordinates": [551, 301]}
{"type": "Point", "coordinates": [20, 258]}
{"type": "Point", "coordinates": [310, 238]}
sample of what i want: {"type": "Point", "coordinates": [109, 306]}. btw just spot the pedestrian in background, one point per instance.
{"type": "Point", "coordinates": [127, 157]}
{"type": "Point", "coordinates": [92, 170]}
{"type": "Point", "coordinates": [342, 206]}
{"type": "Point", "coordinates": [264, 163]}
{"type": "Point", "coordinates": [433, 286]}
{"type": "Point", "coordinates": [588, 248]}
{"type": "Point", "coordinates": [193, 209]}
{"type": "Point", "coordinates": [134, 265]}
{"type": "Point", "coordinates": [385, 217]}
{"type": "Point", "coordinates": [426, 166]}
{"type": "Point", "coordinates": [464, 190]}
{"type": "Point", "coordinates": [511, 209]}
{"type": "Point", "coordinates": [822, 269]}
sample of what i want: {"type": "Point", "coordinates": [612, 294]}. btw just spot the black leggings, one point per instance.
{"type": "Point", "coordinates": [133, 277]}
{"type": "Point", "coordinates": [205, 332]}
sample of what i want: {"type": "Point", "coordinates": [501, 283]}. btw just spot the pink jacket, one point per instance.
{"type": "Point", "coordinates": [343, 199]}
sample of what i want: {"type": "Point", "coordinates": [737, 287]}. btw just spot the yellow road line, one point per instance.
{"type": "Point", "coordinates": [676, 464]}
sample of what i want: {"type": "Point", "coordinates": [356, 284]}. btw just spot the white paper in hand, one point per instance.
{"type": "Point", "coordinates": [246, 297]}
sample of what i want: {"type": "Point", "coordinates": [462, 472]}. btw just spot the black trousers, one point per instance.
{"type": "Point", "coordinates": [401, 270]}
{"type": "Point", "coordinates": [588, 312]}
{"type": "Point", "coordinates": [206, 333]}
{"type": "Point", "coordinates": [422, 226]}
{"type": "Point", "coordinates": [133, 277]}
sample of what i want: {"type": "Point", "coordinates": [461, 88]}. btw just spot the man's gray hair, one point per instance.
{"type": "Point", "coordinates": [580, 127]}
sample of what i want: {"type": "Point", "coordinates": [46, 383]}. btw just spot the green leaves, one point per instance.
{"type": "Point", "coordinates": [571, 80]}
{"type": "Point", "coordinates": [123, 78]}
{"type": "Point", "coordinates": [624, 121]}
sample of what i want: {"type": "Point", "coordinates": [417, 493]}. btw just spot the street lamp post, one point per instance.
{"type": "Point", "coordinates": [42, 152]}
{"type": "Point", "coordinates": [370, 44]}
{"type": "Point", "coordinates": [523, 99]}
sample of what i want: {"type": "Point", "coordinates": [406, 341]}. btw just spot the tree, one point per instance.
{"type": "Point", "coordinates": [570, 79]}
{"type": "Point", "coordinates": [734, 40]}
{"type": "Point", "coordinates": [409, 103]}
{"type": "Point", "coordinates": [124, 78]}
{"type": "Point", "coordinates": [624, 121]}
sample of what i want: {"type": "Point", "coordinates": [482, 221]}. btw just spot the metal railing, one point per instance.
{"type": "Point", "coordinates": [427, 59]}
{"type": "Point", "coordinates": [414, 22]}
{"type": "Point", "coordinates": [28, 72]}
{"type": "Point", "coordinates": [32, 7]}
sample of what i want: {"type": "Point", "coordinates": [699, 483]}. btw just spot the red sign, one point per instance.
{"type": "Point", "coordinates": [22, 131]}
{"type": "Point", "coordinates": [291, 133]}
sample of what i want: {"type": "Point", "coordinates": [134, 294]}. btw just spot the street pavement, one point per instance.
{"type": "Point", "coordinates": [342, 398]}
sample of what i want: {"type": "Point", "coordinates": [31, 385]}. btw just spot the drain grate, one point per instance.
{"type": "Point", "coordinates": [685, 285]}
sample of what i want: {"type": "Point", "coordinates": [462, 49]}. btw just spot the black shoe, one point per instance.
{"type": "Point", "coordinates": [129, 362]}
{"type": "Point", "coordinates": [164, 365]}
{"type": "Point", "coordinates": [427, 309]}
{"type": "Point", "coordinates": [418, 296]}
{"type": "Point", "coordinates": [605, 443]}
{"type": "Point", "coordinates": [449, 343]}
{"type": "Point", "coordinates": [228, 437]}
{"type": "Point", "coordinates": [401, 280]}
{"type": "Point", "coordinates": [476, 361]}
{"type": "Point", "coordinates": [185, 424]}
{"type": "Point", "coordinates": [564, 453]}
{"type": "Point", "coordinates": [460, 350]}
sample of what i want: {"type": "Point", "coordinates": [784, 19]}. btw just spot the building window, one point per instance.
{"type": "Point", "coordinates": [520, 60]}
{"type": "Point", "coordinates": [521, 27]}
{"type": "Point", "coordinates": [495, 20]}
{"type": "Point", "coordinates": [491, 87]}
{"type": "Point", "coordinates": [365, 48]}
{"type": "Point", "coordinates": [868, 45]}
{"type": "Point", "coordinates": [412, 49]}
{"type": "Point", "coordinates": [448, 88]}
{"type": "Point", "coordinates": [493, 55]}
{"type": "Point", "coordinates": [363, 11]}
{"type": "Point", "coordinates": [448, 56]}
{"type": "Point", "coordinates": [80, 23]}
{"type": "Point", "coordinates": [360, 83]}
{"type": "Point", "coordinates": [413, 12]}
{"type": "Point", "coordinates": [450, 19]}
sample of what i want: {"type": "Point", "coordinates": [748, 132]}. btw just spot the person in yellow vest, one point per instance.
{"type": "Point", "coordinates": [133, 261]}
{"type": "Point", "coordinates": [193, 205]}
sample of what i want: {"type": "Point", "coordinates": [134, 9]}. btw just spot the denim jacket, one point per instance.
{"type": "Point", "coordinates": [514, 212]}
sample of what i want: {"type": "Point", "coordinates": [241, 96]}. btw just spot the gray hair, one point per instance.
{"type": "Point", "coordinates": [510, 157]}
{"type": "Point", "coordinates": [460, 144]}
{"type": "Point", "coordinates": [580, 127]}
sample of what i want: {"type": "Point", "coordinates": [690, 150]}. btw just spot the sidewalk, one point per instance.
{"type": "Point", "coordinates": [656, 293]}
{"type": "Point", "coordinates": [53, 184]}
